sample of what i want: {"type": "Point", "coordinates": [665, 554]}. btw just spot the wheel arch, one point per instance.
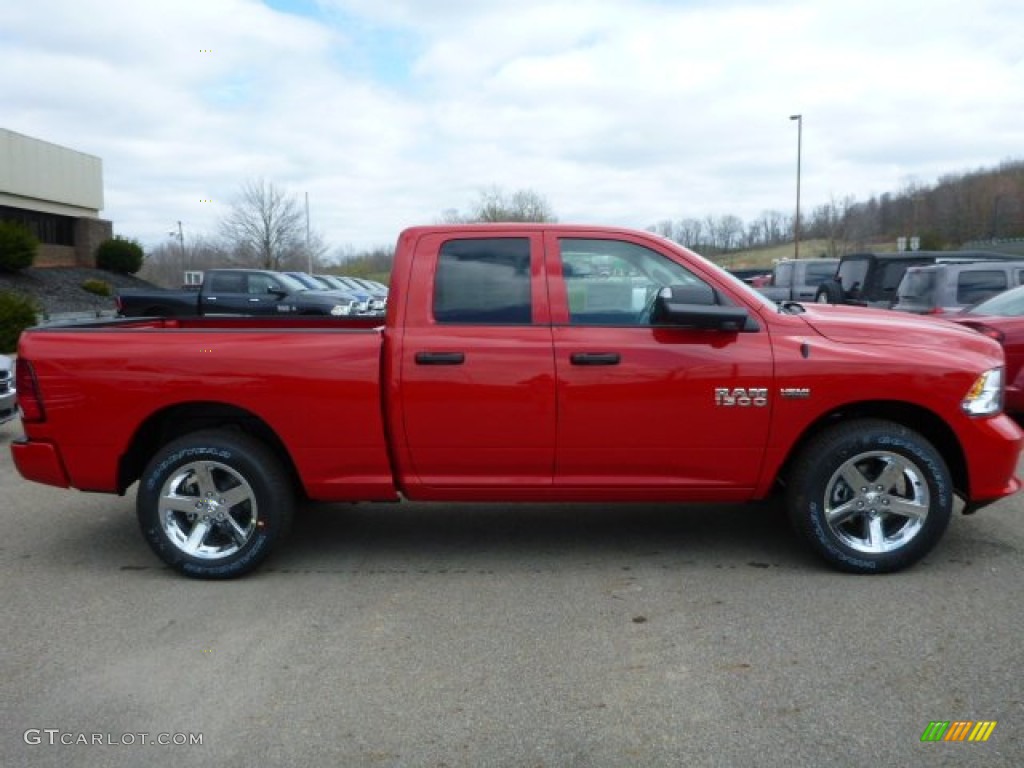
{"type": "Point", "coordinates": [173, 422]}
{"type": "Point", "coordinates": [923, 421]}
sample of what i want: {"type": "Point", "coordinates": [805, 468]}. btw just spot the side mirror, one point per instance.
{"type": "Point", "coordinates": [696, 306]}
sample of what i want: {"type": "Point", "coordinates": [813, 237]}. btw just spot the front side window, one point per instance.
{"type": "Point", "coordinates": [483, 281]}
{"type": "Point", "coordinates": [260, 284]}
{"type": "Point", "coordinates": [852, 273]}
{"type": "Point", "coordinates": [611, 282]}
{"type": "Point", "coordinates": [974, 286]}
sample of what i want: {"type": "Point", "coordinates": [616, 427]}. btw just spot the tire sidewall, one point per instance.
{"type": "Point", "coordinates": [825, 456]}
{"type": "Point", "coordinates": [254, 464]}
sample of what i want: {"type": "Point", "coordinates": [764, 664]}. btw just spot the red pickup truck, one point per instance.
{"type": "Point", "coordinates": [529, 363]}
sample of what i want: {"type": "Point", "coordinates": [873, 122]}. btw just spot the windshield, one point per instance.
{"type": "Point", "coordinates": [306, 280]}
{"type": "Point", "coordinates": [745, 288]}
{"type": "Point", "coordinates": [1008, 304]}
{"type": "Point", "coordinates": [289, 282]}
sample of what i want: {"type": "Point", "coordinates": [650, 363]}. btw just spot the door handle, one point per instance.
{"type": "Point", "coordinates": [440, 358]}
{"type": "Point", "coordinates": [594, 358]}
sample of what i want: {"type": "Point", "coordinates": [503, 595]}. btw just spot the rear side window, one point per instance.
{"type": "Point", "coordinates": [819, 273]}
{"type": "Point", "coordinates": [483, 281]}
{"type": "Point", "coordinates": [891, 276]}
{"type": "Point", "coordinates": [974, 286]}
{"type": "Point", "coordinates": [227, 282]}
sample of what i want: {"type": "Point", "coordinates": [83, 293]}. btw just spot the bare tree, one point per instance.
{"type": "Point", "coordinates": [264, 225]}
{"type": "Point", "coordinates": [690, 232]}
{"type": "Point", "coordinates": [495, 205]}
{"type": "Point", "coordinates": [166, 263]}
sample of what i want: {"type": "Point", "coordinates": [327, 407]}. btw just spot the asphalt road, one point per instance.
{"type": "Point", "coordinates": [545, 635]}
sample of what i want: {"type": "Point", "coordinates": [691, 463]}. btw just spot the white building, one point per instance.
{"type": "Point", "coordinates": [58, 194]}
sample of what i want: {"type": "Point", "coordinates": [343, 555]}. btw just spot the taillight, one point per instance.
{"type": "Point", "coordinates": [29, 400]}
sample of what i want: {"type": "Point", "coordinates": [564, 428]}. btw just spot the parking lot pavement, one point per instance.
{"type": "Point", "coordinates": [495, 635]}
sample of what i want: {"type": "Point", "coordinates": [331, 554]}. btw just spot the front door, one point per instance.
{"type": "Point", "coordinates": [644, 406]}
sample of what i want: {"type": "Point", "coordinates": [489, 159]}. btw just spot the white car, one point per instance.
{"type": "Point", "coordinates": [8, 397]}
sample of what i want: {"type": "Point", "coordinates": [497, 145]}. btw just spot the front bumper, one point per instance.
{"type": "Point", "coordinates": [992, 449]}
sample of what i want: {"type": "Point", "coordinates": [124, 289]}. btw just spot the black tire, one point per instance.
{"type": "Point", "coordinates": [870, 496]}
{"type": "Point", "coordinates": [829, 293]}
{"type": "Point", "coordinates": [213, 504]}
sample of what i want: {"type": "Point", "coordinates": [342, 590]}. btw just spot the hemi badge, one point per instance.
{"type": "Point", "coordinates": [795, 393]}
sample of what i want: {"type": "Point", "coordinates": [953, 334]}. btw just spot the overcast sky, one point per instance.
{"type": "Point", "coordinates": [623, 112]}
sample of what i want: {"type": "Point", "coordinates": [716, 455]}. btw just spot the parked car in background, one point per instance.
{"type": "Point", "coordinates": [872, 279]}
{"type": "Point", "coordinates": [236, 292]}
{"type": "Point", "coordinates": [8, 395]}
{"type": "Point", "coordinates": [798, 279]}
{"type": "Point", "coordinates": [754, 276]}
{"type": "Point", "coordinates": [372, 304]}
{"type": "Point", "coordinates": [938, 289]}
{"type": "Point", "coordinates": [358, 299]}
{"type": "Point", "coordinates": [377, 289]}
{"type": "Point", "coordinates": [1002, 318]}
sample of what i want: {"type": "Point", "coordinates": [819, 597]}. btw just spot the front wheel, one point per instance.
{"type": "Point", "coordinates": [870, 496]}
{"type": "Point", "coordinates": [213, 504]}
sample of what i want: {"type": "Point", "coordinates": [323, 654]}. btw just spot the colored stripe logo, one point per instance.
{"type": "Point", "coordinates": [958, 730]}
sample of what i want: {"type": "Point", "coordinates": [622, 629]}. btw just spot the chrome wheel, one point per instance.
{"type": "Point", "coordinates": [877, 502]}
{"type": "Point", "coordinates": [207, 510]}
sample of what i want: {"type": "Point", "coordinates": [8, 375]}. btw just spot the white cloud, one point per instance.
{"type": "Point", "coordinates": [620, 112]}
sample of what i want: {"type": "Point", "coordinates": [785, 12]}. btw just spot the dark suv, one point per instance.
{"type": "Point", "coordinates": [871, 279]}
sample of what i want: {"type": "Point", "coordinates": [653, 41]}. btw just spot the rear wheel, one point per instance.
{"type": "Point", "coordinates": [870, 496]}
{"type": "Point", "coordinates": [213, 504]}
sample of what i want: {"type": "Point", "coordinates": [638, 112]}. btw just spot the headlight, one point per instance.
{"type": "Point", "coordinates": [985, 396]}
{"type": "Point", "coordinates": [340, 309]}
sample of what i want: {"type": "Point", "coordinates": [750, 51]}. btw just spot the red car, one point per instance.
{"type": "Point", "coordinates": [1002, 318]}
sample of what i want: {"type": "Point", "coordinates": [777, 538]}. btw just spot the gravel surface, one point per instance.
{"type": "Point", "coordinates": [58, 290]}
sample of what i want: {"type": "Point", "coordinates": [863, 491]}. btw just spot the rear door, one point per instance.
{"type": "Point", "coordinates": [644, 407]}
{"type": "Point", "coordinates": [477, 395]}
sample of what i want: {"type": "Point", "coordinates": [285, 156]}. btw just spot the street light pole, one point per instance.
{"type": "Point", "coordinates": [181, 241]}
{"type": "Point", "coordinates": [180, 234]}
{"type": "Point", "coordinates": [799, 145]}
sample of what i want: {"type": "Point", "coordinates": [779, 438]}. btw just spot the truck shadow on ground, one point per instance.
{"type": "Point", "coordinates": [539, 536]}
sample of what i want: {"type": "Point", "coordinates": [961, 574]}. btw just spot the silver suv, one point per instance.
{"type": "Point", "coordinates": [8, 397]}
{"type": "Point", "coordinates": [944, 288]}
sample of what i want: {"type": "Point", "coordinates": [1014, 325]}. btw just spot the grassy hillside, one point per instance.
{"type": "Point", "coordinates": [765, 257]}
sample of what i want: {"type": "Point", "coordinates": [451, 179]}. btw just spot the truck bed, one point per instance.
{"type": "Point", "coordinates": [313, 381]}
